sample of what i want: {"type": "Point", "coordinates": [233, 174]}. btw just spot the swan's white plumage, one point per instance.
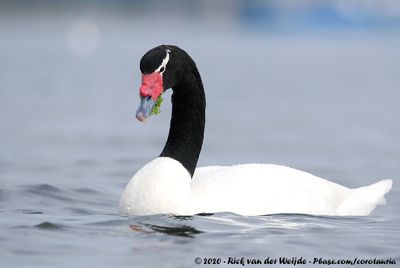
{"type": "Point", "coordinates": [165, 186]}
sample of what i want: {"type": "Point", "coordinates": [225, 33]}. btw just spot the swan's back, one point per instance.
{"type": "Point", "coordinates": [256, 189]}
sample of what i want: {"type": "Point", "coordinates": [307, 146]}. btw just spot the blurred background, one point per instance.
{"type": "Point", "coordinates": [311, 84]}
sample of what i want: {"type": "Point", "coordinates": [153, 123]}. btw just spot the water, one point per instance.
{"type": "Point", "coordinates": [326, 104]}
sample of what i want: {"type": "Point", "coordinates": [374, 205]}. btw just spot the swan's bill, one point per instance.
{"type": "Point", "coordinates": [145, 107]}
{"type": "Point", "coordinates": [150, 90]}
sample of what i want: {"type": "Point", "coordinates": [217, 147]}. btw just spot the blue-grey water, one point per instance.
{"type": "Point", "coordinates": [324, 103]}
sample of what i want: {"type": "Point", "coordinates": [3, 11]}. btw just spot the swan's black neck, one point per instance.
{"type": "Point", "coordinates": [186, 132]}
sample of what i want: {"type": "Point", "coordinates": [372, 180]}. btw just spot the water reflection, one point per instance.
{"type": "Point", "coordinates": [183, 230]}
{"type": "Point", "coordinates": [165, 224]}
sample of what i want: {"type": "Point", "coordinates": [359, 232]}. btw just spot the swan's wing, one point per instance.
{"type": "Point", "coordinates": [255, 189]}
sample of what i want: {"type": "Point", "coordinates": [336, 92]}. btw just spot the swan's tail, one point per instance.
{"type": "Point", "coordinates": [363, 200]}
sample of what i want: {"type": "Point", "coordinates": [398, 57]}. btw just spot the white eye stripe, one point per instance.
{"type": "Point", "coordinates": [163, 63]}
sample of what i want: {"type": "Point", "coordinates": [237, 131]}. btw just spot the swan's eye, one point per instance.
{"type": "Point", "coordinates": [162, 69]}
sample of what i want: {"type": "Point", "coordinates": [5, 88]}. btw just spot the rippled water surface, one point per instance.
{"type": "Point", "coordinates": [328, 105]}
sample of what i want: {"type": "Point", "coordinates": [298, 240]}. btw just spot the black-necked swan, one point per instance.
{"type": "Point", "coordinates": [172, 184]}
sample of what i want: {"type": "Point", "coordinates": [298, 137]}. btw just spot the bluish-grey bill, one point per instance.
{"type": "Point", "coordinates": [145, 107]}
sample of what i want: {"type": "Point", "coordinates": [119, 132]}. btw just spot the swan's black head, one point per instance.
{"type": "Point", "coordinates": [162, 68]}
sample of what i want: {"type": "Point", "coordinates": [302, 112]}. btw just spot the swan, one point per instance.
{"type": "Point", "coordinates": [171, 183]}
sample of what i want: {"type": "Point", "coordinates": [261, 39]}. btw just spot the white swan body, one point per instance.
{"type": "Point", "coordinates": [165, 186]}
